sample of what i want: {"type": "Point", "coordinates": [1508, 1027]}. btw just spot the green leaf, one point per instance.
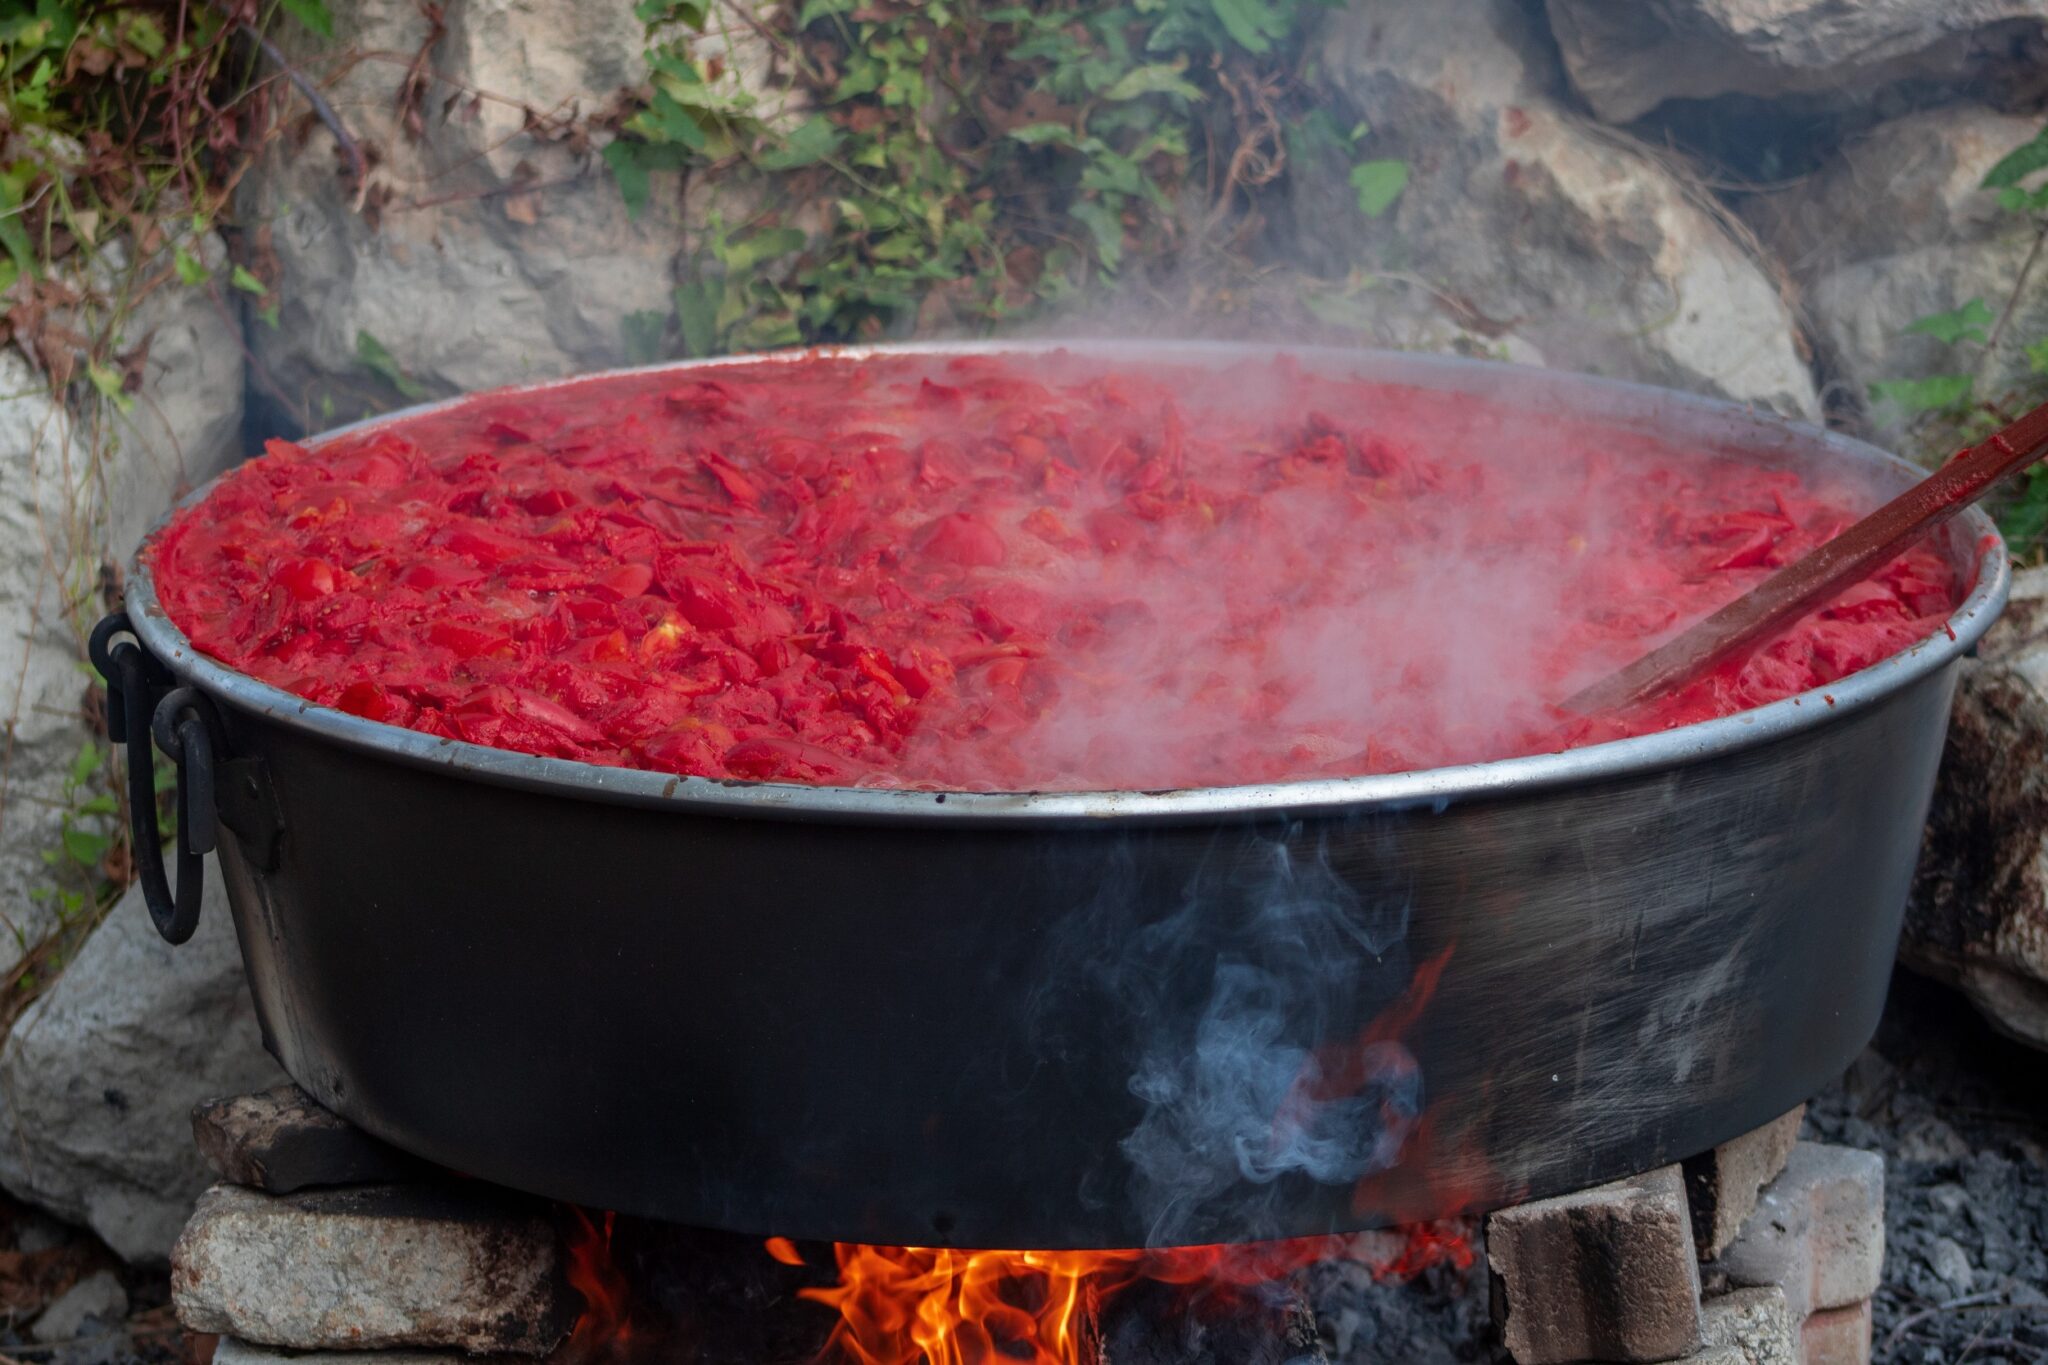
{"type": "Point", "coordinates": [312, 13]}
{"type": "Point", "coordinates": [898, 246]}
{"type": "Point", "coordinates": [1935, 393]}
{"type": "Point", "coordinates": [1037, 134]}
{"type": "Point", "coordinates": [246, 282]}
{"type": "Point", "coordinates": [1970, 322]}
{"type": "Point", "coordinates": [86, 848]}
{"type": "Point", "coordinates": [1105, 227]}
{"type": "Point", "coordinates": [815, 10]}
{"type": "Point", "coordinates": [643, 332]}
{"type": "Point", "coordinates": [1157, 79]}
{"type": "Point", "coordinates": [747, 253]}
{"type": "Point", "coordinates": [2024, 521]}
{"type": "Point", "coordinates": [87, 762]}
{"type": "Point", "coordinates": [630, 172]}
{"type": "Point", "coordinates": [693, 13]}
{"type": "Point", "coordinates": [697, 307]}
{"type": "Point", "coordinates": [770, 330]}
{"type": "Point", "coordinates": [102, 804]}
{"type": "Point", "coordinates": [2019, 163]}
{"type": "Point", "coordinates": [2018, 199]}
{"type": "Point", "coordinates": [107, 380]}
{"type": "Point", "coordinates": [1108, 171]}
{"type": "Point", "coordinates": [631, 164]}
{"type": "Point", "coordinates": [678, 115]}
{"type": "Point", "coordinates": [1379, 184]}
{"type": "Point", "coordinates": [13, 235]}
{"type": "Point", "coordinates": [1251, 24]}
{"type": "Point", "coordinates": [2037, 356]}
{"type": "Point", "coordinates": [191, 270]}
{"type": "Point", "coordinates": [812, 141]}
{"type": "Point", "coordinates": [380, 362]}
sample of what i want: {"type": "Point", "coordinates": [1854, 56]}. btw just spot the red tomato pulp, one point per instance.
{"type": "Point", "coordinates": [1015, 572]}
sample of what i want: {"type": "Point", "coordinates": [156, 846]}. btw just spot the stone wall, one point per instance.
{"type": "Point", "coordinates": [1582, 191]}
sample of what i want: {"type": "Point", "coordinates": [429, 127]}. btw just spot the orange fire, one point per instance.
{"type": "Point", "coordinates": [605, 1322]}
{"type": "Point", "coordinates": [931, 1306]}
{"type": "Point", "coordinates": [934, 1306]}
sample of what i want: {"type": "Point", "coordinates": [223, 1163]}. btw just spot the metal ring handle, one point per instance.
{"type": "Point", "coordinates": [184, 724]}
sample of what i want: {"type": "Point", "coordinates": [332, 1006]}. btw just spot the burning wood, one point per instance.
{"type": "Point", "coordinates": [648, 1287]}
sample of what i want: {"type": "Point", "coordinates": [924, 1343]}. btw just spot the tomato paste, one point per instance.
{"type": "Point", "coordinates": [1008, 572]}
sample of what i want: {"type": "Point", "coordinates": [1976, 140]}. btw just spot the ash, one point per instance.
{"type": "Point", "coordinates": [1437, 1318]}
{"type": "Point", "coordinates": [1961, 1116]}
{"type": "Point", "coordinates": [1332, 1313]}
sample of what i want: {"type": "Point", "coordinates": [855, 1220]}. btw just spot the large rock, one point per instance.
{"type": "Point", "coordinates": [485, 249]}
{"type": "Point", "coordinates": [68, 501]}
{"type": "Point", "coordinates": [99, 1077]}
{"type": "Point", "coordinates": [1626, 57]}
{"type": "Point", "coordinates": [1895, 227]}
{"type": "Point", "coordinates": [1531, 224]}
{"type": "Point", "coordinates": [1979, 913]}
{"type": "Point", "coordinates": [186, 423]}
{"type": "Point", "coordinates": [41, 689]}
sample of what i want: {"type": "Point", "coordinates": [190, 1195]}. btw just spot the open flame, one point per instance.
{"type": "Point", "coordinates": [606, 1321]}
{"type": "Point", "coordinates": [938, 1306]}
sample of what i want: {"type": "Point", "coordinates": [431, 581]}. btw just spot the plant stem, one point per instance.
{"type": "Point", "coordinates": [350, 150]}
{"type": "Point", "coordinates": [2012, 299]}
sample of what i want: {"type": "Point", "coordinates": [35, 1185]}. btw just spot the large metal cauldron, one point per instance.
{"type": "Point", "coordinates": [1060, 1020]}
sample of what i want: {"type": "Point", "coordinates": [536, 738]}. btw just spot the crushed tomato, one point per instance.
{"type": "Point", "coordinates": [1007, 572]}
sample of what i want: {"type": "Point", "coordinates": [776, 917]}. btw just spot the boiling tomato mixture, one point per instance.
{"type": "Point", "coordinates": [1007, 572]}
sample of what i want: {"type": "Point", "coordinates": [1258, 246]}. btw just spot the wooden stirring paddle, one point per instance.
{"type": "Point", "coordinates": [1799, 587]}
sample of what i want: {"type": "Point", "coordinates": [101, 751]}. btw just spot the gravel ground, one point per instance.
{"type": "Point", "coordinates": [1961, 1116]}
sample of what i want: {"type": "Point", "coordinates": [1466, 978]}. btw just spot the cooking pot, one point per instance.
{"type": "Point", "coordinates": [1060, 1019]}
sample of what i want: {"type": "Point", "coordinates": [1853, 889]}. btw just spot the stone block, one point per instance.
{"type": "Point", "coordinates": [1818, 1230]}
{"type": "Point", "coordinates": [1837, 1336]}
{"type": "Point", "coordinates": [1750, 1327]}
{"type": "Point", "coordinates": [1604, 1274]}
{"type": "Point", "coordinates": [374, 1267]}
{"type": "Point", "coordinates": [1722, 1186]}
{"type": "Point", "coordinates": [282, 1140]}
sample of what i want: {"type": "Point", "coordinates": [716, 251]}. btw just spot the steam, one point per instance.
{"type": "Point", "coordinates": [1477, 562]}
{"type": "Point", "coordinates": [1247, 1101]}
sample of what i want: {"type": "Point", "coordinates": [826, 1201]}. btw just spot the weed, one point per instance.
{"type": "Point", "coordinates": [1953, 408]}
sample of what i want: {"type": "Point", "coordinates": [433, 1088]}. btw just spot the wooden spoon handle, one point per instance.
{"type": "Point", "coordinates": [1785, 596]}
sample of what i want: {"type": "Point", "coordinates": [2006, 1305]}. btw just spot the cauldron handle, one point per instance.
{"type": "Point", "coordinates": [183, 725]}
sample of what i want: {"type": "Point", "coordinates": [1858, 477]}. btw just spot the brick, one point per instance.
{"type": "Point", "coordinates": [1722, 1186]}
{"type": "Point", "coordinates": [282, 1140]}
{"type": "Point", "coordinates": [1818, 1231]}
{"type": "Point", "coordinates": [1750, 1327]}
{"type": "Point", "coordinates": [374, 1267]}
{"type": "Point", "coordinates": [1604, 1274]}
{"type": "Point", "coordinates": [1837, 1336]}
